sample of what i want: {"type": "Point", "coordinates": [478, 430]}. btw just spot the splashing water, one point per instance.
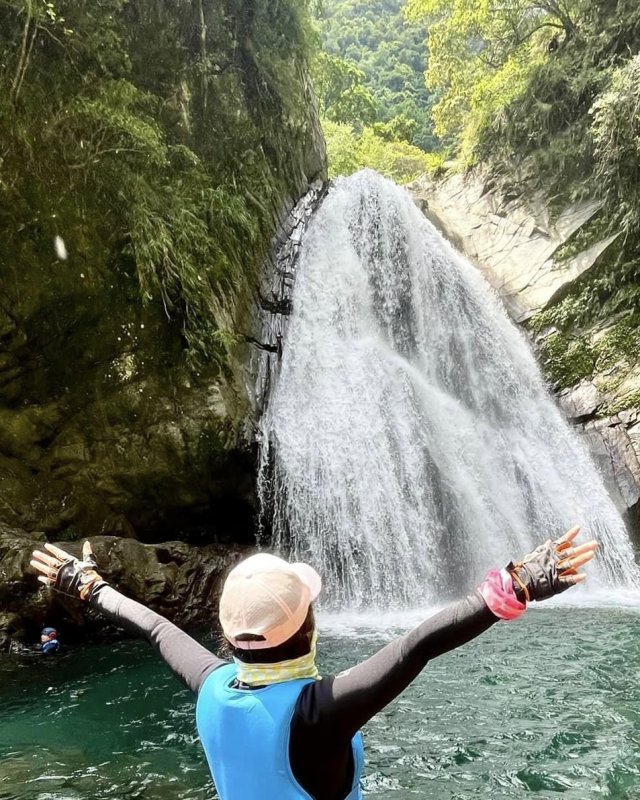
{"type": "Point", "coordinates": [409, 442]}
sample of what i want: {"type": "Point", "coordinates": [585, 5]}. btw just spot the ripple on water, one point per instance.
{"type": "Point", "coordinates": [547, 706]}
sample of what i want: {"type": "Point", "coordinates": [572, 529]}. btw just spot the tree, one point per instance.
{"type": "Point", "coordinates": [398, 129]}
{"type": "Point", "coordinates": [342, 96]}
{"type": "Point", "coordinates": [483, 52]}
{"type": "Point", "coordinates": [350, 151]}
{"type": "Point", "coordinates": [391, 53]}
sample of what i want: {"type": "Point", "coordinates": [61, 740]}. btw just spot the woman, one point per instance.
{"type": "Point", "coordinates": [271, 728]}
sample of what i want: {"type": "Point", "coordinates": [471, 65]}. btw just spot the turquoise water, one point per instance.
{"type": "Point", "coordinates": [547, 706]}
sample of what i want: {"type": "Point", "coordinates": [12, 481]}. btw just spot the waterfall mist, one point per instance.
{"type": "Point", "coordinates": [409, 442]}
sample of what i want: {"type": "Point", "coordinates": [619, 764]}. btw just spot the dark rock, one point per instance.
{"type": "Point", "coordinates": [174, 579]}
{"type": "Point", "coordinates": [615, 446]}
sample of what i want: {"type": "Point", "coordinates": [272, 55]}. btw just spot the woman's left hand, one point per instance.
{"type": "Point", "coordinates": [551, 568]}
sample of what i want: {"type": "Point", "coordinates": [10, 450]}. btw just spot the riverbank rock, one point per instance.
{"type": "Point", "coordinates": [614, 442]}
{"type": "Point", "coordinates": [178, 581]}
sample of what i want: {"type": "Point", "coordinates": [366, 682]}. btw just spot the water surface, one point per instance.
{"type": "Point", "coordinates": [546, 706]}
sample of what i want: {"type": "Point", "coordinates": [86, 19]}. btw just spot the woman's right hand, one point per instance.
{"type": "Point", "coordinates": [65, 573]}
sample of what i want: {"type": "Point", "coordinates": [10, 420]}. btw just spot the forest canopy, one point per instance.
{"type": "Point", "coordinates": [369, 80]}
{"type": "Point", "coordinates": [376, 38]}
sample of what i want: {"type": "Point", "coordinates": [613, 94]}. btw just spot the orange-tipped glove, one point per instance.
{"type": "Point", "coordinates": [67, 574]}
{"type": "Point", "coordinates": [551, 568]}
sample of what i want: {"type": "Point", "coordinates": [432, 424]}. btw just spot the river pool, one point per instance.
{"type": "Point", "coordinates": [546, 706]}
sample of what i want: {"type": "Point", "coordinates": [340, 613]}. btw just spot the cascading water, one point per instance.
{"type": "Point", "coordinates": [409, 441]}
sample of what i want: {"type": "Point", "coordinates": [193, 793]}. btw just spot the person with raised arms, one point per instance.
{"type": "Point", "coordinates": [270, 726]}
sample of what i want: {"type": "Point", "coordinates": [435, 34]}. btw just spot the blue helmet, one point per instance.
{"type": "Point", "coordinates": [49, 631]}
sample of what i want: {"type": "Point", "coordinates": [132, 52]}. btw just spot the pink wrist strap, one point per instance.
{"type": "Point", "coordinates": [499, 595]}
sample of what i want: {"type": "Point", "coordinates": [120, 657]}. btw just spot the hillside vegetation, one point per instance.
{"type": "Point", "coordinates": [168, 129]}
{"type": "Point", "coordinates": [391, 52]}
{"type": "Point", "coordinates": [545, 95]}
{"type": "Point", "coordinates": [369, 80]}
{"type": "Point", "coordinates": [146, 151]}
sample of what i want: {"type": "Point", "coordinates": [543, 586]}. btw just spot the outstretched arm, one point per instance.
{"type": "Point", "coordinates": [189, 661]}
{"type": "Point", "coordinates": [335, 708]}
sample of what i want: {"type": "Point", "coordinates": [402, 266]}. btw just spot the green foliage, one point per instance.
{"type": "Point", "coordinates": [482, 55]}
{"type": "Point", "coordinates": [398, 129]}
{"type": "Point", "coordinates": [164, 134]}
{"type": "Point", "coordinates": [585, 237]}
{"type": "Point", "coordinates": [631, 400]}
{"type": "Point", "coordinates": [568, 355]}
{"type": "Point", "coordinates": [616, 135]}
{"type": "Point", "coordinates": [566, 360]}
{"type": "Point", "coordinates": [518, 79]}
{"type": "Point", "coordinates": [612, 289]}
{"type": "Point", "coordinates": [349, 151]}
{"type": "Point", "coordinates": [621, 342]}
{"type": "Point", "coordinates": [342, 96]}
{"type": "Point", "coordinates": [390, 53]}
{"type": "Point", "coordinates": [189, 254]}
{"type": "Point", "coordinates": [342, 148]}
{"type": "Point", "coordinates": [115, 120]}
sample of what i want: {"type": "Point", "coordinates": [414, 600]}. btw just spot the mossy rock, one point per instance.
{"type": "Point", "coordinates": [163, 164]}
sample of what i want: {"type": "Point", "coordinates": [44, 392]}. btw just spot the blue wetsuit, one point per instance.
{"type": "Point", "coordinates": [45, 649]}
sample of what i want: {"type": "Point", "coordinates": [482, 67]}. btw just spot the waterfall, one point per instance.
{"type": "Point", "coordinates": [409, 441]}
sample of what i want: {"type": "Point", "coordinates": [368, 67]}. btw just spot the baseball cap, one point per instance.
{"type": "Point", "coordinates": [266, 596]}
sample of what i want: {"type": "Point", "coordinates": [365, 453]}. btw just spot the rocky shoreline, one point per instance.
{"type": "Point", "coordinates": [179, 581]}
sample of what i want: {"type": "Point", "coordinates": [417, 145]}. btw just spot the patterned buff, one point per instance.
{"type": "Point", "coordinates": [267, 674]}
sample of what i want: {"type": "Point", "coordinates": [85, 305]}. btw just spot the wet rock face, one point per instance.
{"type": "Point", "coordinates": [121, 438]}
{"type": "Point", "coordinates": [614, 442]}
{"type": "Point", "coordinates": [104, 430]}
{"type": "Point", "coordinates": [178, 581]}
{"type": "Point", "coordinates": [103, 427]}
{"type": "Point", "coordinates": [514, 243]}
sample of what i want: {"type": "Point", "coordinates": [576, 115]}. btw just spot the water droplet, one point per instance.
{"type": "Point", "coordinates": [60, 248]}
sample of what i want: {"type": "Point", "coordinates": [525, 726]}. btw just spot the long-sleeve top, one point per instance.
{"type": "Point", "coordinates": [331, 710]}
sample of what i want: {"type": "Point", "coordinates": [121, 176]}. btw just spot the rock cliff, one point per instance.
{"type": "Point", "coordinates": [178, 581]}
{"type": "Point", "coordinates": [138, 204]}
{"type": "Point", "coordinates": [535, 256]}
{"type": "Point", "coordinates": [150, 152]}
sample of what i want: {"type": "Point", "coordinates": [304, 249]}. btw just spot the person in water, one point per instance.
{"type": "Point", "coordinates": [270, 726]}
{"type": "Point", "coordinates": [49, 644]}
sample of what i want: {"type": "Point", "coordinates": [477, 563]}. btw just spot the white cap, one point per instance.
{"type": "Point", "coordinates": [266, 596]}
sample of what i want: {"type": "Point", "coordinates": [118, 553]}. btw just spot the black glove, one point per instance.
{"type": "Point", "coordinates": [551, 568]}
{"type": "Point", "coordinates": [536, 577]}
{"type": "Point", "coordinates": [67, 574]}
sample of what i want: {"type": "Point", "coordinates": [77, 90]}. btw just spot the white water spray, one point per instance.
{"type": "Point", "coordinates": [410, 442]}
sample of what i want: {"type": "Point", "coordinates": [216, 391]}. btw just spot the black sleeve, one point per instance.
{"type": "Point", "coordinates": [335, 708]}
{"type": "Point", "coordinates": [189, 661]}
